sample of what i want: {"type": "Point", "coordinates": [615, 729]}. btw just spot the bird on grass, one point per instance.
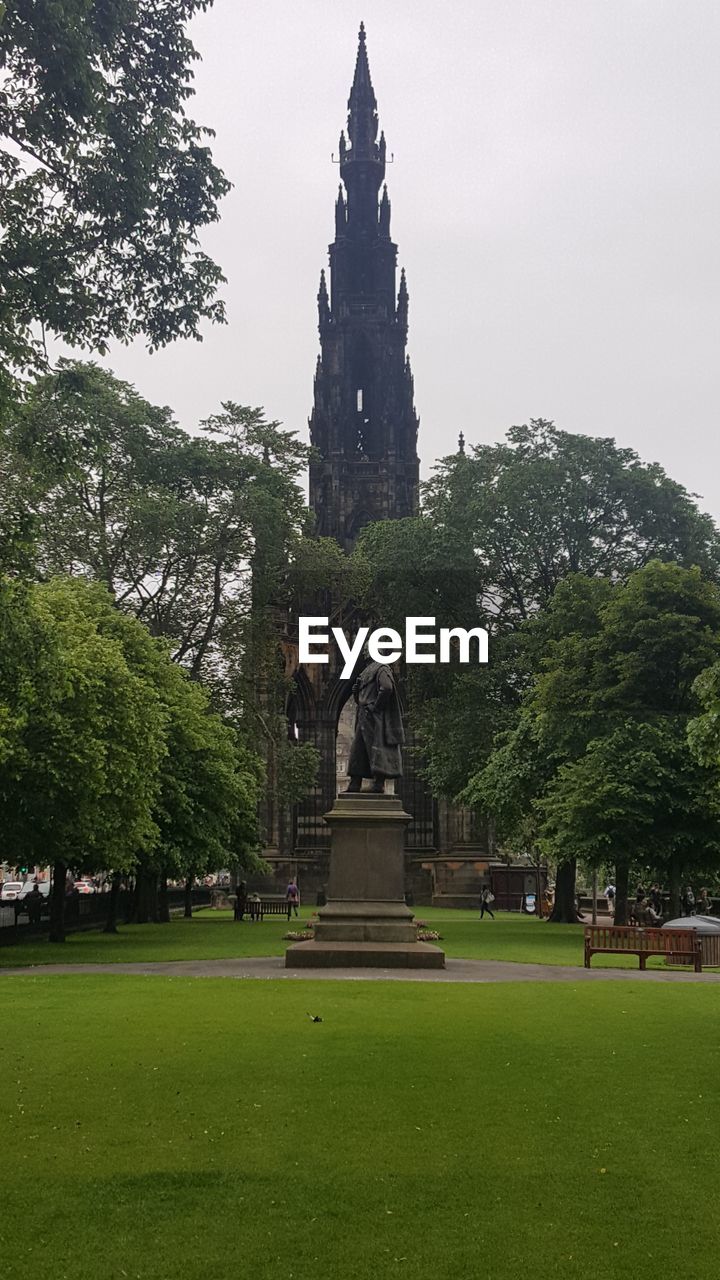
{"type": "Point", "coordinates": [314, 1017]}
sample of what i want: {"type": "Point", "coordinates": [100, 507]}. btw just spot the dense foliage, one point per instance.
{"type": "Point", "coordinates": [105, 179]}
{"type": "Point", "coordinates": [501, 528]}
{"type": "Point", "coordinates": [110, 757]}
{"type": "Point", "coordinates": [597, 765]}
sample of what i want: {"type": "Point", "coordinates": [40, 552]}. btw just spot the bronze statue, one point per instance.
{"type": "Point", "coordinates": [375, 751]}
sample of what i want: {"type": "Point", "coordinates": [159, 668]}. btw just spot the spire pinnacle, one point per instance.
{"type": "Point", "coordinates": [362, 104]}
{"type": "Point", "coordinates": [402, 302]}
{"type": "Point", "coordinates": [461, 444]}
{"type": "Point", "coordinates": [340, 213]}
{"type": "Point", "coordinates": [384, 214]}
{"type": "Point", "coordinates": [323, 303]}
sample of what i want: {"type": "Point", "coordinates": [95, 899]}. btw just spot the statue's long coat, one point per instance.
{"type": "Point", "coordinates": [375, 750]}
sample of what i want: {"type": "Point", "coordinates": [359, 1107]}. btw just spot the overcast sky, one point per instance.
{"type": "Point", "coordinates": [554, 198]}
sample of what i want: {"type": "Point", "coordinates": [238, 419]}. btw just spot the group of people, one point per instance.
{"type": "Point", "coordinates": [700, 906]}
{"type": "Point", "coordinates": [252, 902]}
{"type": "Point", "coordinates": [647, 906]}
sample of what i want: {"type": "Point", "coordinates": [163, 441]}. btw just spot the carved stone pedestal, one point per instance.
{"type": "Point", "coordinates": [366, 921]}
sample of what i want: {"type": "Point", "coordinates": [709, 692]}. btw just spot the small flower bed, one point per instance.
{"type": "Point", "coordinates": [429, 935]}
{"type": "Point", "coordinates": [299, 935]}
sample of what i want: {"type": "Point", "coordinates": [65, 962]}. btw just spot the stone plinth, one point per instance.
{"type": "Point", "coordinates": [366, 920]}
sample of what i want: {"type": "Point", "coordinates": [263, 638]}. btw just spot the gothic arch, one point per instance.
{"type": "Point", "coordinates": [300, 702]}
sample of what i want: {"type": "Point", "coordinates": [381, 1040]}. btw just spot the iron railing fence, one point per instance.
{"type": "Point", "coordinates": [85, 912]}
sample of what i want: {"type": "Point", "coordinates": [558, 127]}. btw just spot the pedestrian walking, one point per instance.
{"type": "Point", "coordinates": [292, 895]}
{"type": "Point", "coordinates": [487, 897]}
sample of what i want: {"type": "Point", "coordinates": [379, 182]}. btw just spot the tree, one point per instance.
{"type": "Point", "coordinates": [501, 528]}
{"type": "Point", "coordinates": [111, 758]}
{"type": "Point", "coordinates": [104, 178]}
{"type": "Point", "coordinates": [206, 810]}
{"type": "Point", "coordinates": [181, 529]}
{"type": "Point", "coordinates": [635, 797]}
{"type": "Point", "coordinates": [599, 755]}
{"type": "Point", "coordinates": [81, 737]}
{"type": "Point", "coordinates": [549, 503]}
{"type": "Point", "coordinates": [20, 490]}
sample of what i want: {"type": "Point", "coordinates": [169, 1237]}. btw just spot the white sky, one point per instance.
{"type": "Point", "coordinates": [554, 197]}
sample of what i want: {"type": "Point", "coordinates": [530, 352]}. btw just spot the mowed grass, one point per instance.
{"type": "Point", "coordinates": [180, 1129]}
{"type": "Point", "coordinates": [214, 935]}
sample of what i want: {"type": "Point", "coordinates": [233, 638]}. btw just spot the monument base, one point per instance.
{"type": "Point", "coordinates": [364, 955]}
{"type": "Point", "coordinates": [366, 922]}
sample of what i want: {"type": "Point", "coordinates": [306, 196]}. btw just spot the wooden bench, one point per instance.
{"type": "Point", "coordinates": [678, 946]}
{"type": "Point", "coordinates": [265, 907]}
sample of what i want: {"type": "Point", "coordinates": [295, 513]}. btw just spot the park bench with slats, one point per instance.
{"type": "Point", "coordinates": [678, 946]}
{"type": "Point", "coordinates": [267, 907]}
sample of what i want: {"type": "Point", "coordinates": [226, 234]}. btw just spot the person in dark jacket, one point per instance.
{"type": "Point", "coordinates": [240, 900]}
{"type": "Point", "coordinates": [34, 904]}
{"type": "Point", "coordinates": [487, 897]}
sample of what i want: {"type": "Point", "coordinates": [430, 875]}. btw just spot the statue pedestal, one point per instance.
{"type": "Point", "coordinates": [366, 921]}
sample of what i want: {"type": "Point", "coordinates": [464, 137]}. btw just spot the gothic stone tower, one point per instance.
{"type": "Point", "coordinates": [364, 428]}
{"type": "Point", "coordinates": [363, 423]}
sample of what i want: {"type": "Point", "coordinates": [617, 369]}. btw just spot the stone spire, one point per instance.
{"type": "Point", "coordinates": [362, 105]}
{"type": "Point", "coordinates": [363, 425]}
{"type": "Point", "coordinates": [402, 301]}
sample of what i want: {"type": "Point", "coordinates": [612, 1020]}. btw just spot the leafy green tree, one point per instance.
{"type": "Point", "coordinates": [82, 736]}
{"type": "Point", "coordinates": [635, 796]}
{"type": "Point", "coordinates": [501, 528]}
{"type": "Point", "coordinates": [21, 489]}
{"type": "Point", "coordinates": [187, 532]}
{"type": "Point", "coordinates": [614, 690]}
{"type": "Point", "coordinates": [210, 785]}
{"type": "Point", "coordinates": [111, 758]}
{"type": "Point", "coordinates": [549, 503]}
{"type": "Point", "coordinates": [551, 726]}
{"type": "Point", "coordinates": [105, 180]}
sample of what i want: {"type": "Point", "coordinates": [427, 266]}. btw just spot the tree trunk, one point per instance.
{"type": "Point", "coordinates": [163, 908]}
{"type": "Point", "coordinates": [111, 921]}
{"type": "Point", "coordinates": [134, 909]}
{"type": "Point", "coordinates": [188, 898]}
{"type": "Point", "coordinates": [675, 888]}
{"type": "Point", "coordinates": [565, 907]}
{"type": "Point", "coordinates": [57, 902]}
{"type": "Point", "coordinates": [152, 887]}
{"type": "Point", "coordinates": [128, 901]}
{"type": "Point", "coordinates": [146, 907]}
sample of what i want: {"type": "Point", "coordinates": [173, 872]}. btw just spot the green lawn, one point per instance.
{"type": "Point", "coordinates": [174, 1129]}
{"type": "Point", "coordinates": [215, 935]}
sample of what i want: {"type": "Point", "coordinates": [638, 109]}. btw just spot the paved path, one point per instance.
{"type": "Point", "coordinates": [456, 971]}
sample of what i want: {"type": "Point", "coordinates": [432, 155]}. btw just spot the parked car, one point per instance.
{"type": "Point", "coordinates": [11, 889]}
{"type": "Point", "coordinates": [85, 886]}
